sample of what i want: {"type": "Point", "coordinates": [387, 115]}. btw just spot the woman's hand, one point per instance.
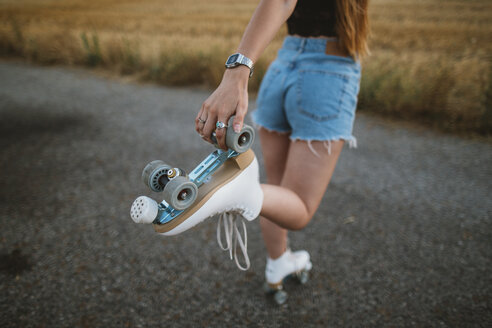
{"type": "Point", "coordinates": [230, 98]}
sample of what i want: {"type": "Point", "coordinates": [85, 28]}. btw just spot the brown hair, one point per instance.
{"type": "Point", "coordinates": [352, 26]}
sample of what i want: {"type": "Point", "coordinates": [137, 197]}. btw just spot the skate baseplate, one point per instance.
{"type": "Point", "coordinates": [211, 174]}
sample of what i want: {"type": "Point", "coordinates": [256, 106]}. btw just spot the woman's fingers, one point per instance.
{"type": "Point", "coordinates": [209, 127]}
{"type": "Point", "coordinates": [220, 133]}
{"type": "Point", "coordinates": [199, 121]}
{"type": "Point", "coordinates": [205, 120]}
{"type": "Point", "coordinates": [241, 110]}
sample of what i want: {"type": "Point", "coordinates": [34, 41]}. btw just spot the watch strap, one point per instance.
{"type": "Point", "coordinates": [240, 60]}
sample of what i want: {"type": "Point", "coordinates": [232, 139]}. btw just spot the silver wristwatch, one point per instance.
{"type": "Point", "coordinates": [239, 59]}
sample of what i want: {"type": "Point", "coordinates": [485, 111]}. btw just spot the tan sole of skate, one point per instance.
{"type": "Point", "coordinates": [276, 286]}
{"type": "Point", "coordinates": [226, 173]}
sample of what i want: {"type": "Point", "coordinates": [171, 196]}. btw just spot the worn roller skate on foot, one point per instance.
{"type": "Point", "coordinates": [290, 264]}
{"type": "Point", "coordinates": [225, 182]}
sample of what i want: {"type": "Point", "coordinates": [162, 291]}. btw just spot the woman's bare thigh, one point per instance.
{"type": "Point", "coordinates": [275, 147]}
{"type": "Point", "coordinates": [309, 172]}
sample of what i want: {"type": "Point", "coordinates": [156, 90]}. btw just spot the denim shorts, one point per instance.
{"type": "Point", "coordinates": [309, 94]}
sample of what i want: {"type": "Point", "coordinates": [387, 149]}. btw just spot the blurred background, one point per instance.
{"type": "Point", "coordinates": [91, 91]}
{"type": "Point", "coordinates": [431, 59]}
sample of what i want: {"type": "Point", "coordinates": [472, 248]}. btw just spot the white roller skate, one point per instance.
{"type": "Point", "coordinates": [290, 264]}
{"type": "Point", "coordinates": [226, 182]}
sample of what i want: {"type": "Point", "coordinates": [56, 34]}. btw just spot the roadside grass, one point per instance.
{"type": "Point", "coordinates": [431, 60]}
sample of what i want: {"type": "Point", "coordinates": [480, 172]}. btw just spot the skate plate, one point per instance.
{"type": "Point", "coordinates": [168, 218]}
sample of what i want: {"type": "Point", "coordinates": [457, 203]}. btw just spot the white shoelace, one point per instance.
{"type": "Point", "coordinates": [233, 237]}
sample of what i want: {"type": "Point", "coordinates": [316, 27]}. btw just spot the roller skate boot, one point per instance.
{"type": "Point", "coordinates": [225, 182]}
{"type": "Point", "coordinates": [290, 264]}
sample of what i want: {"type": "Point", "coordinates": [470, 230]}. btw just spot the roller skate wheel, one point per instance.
{"type": "Point", "coordinates": [154, 175]}
{"type": "Point", "coordinates": [144, 210]}
{"type": "Point", "coordinates": [180, 193]}
{"type": "Point", "coordinates": [303, 277]}
{"type": "Point", "coordinates": [280, 297]}
{"type": "Point", "coordinates": [242, 141]}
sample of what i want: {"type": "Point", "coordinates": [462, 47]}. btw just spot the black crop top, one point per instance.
{"type": "Point", "coordinates": [313, 18]}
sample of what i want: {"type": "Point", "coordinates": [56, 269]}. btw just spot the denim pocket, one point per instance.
{"type": "Point", "coordinates": [319, 94]}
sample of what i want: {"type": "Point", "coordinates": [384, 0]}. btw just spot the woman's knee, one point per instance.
{"type": "Point", "coordinates": [301, 222]}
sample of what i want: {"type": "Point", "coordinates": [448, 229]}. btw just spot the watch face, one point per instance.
{"type": "Point", "coordinates": [232, 59]}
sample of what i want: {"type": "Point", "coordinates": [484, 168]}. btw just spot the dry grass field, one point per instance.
{"type": "Point", "coordinates": [431, 59]}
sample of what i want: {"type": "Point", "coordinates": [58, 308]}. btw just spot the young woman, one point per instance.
{"type": "Point", "coordinates": [306, 108]}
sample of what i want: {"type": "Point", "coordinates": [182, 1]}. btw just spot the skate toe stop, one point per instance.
{"type": "Point", "coordinates": [144, 210]}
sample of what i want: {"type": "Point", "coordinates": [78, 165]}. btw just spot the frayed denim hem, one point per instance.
{"type": "Point", "coordinates": [269, 129]}
{"type": "Point", "coordinates": [352, 142]}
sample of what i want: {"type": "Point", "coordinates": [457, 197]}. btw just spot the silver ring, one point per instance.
{"type": "Point", "coordinates": [200, 120]}
{"type": "Point", "coordinates": [220, 125]}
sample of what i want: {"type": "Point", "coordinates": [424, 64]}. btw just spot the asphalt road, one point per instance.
{"type": "Point", "coordinates": [403, 236]}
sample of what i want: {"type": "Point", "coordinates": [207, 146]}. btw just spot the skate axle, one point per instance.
{"type": "Point", "coordinates": [175, 172]}
{"type": "Point", "coordinates": [243, 139]}
{"type": "Point", "coordinates": [183, 195]}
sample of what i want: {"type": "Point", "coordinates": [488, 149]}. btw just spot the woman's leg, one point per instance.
{"type": "Point", "coordinates": [305, 179]}
{"type": "Point", "coordinates": [275, 147]}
